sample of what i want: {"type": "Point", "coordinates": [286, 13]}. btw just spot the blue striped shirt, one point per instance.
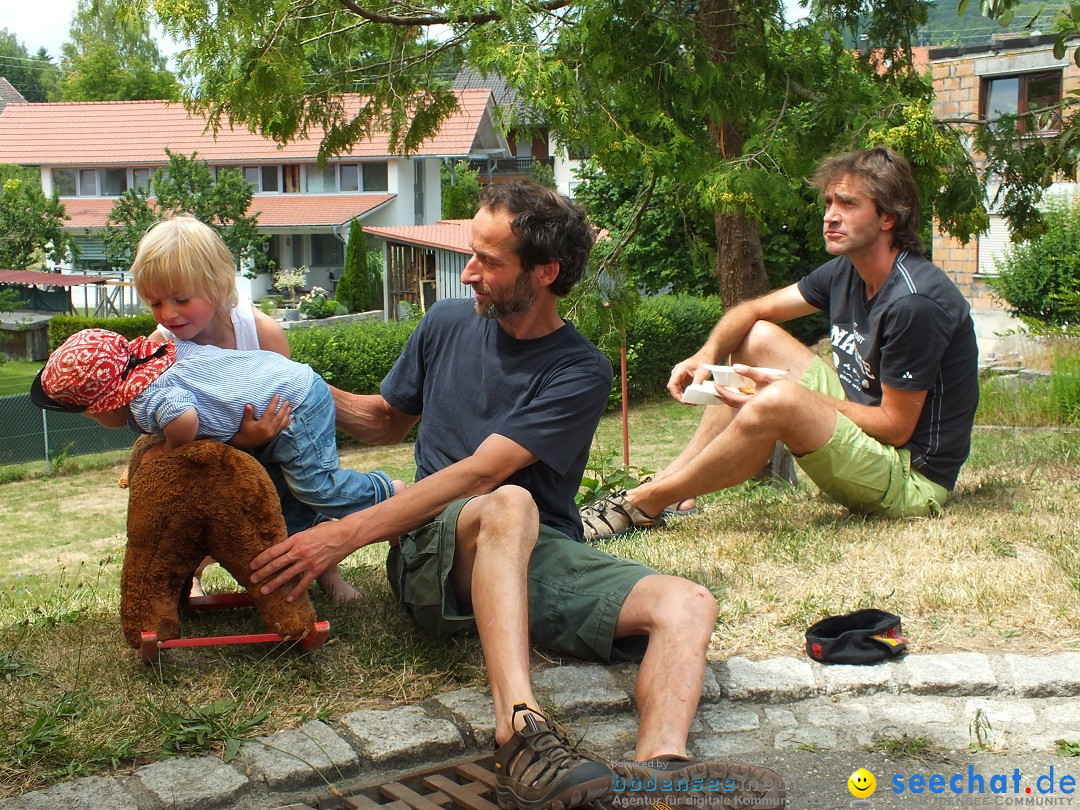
{"type": "Point", "coordinates": [219, 383]}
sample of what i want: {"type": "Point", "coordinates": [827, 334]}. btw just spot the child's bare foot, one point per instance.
{"type": "Point", "coordinates": [335, 586]}
{"type": "Point", "coordinates": [399, 486]}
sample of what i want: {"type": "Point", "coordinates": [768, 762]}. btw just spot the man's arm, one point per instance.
{"type": "Point", "coordinates": [731, 330]}
{"type": "Point", "coordinates": [308, 553]}
{"type": "Point", "coordinates": [893, 421]}
{"type": "Point", "coordinates": [370, 418]}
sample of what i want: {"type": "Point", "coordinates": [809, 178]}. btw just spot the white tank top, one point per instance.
{"type": "Point", "coordinates": [243, 322]}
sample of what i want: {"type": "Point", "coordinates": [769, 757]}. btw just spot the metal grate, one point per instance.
{"type": "Point", "coordinates": [468, 785]}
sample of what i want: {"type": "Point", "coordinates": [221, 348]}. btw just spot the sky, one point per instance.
{"type": "Point", "coordinates": [36, 28]}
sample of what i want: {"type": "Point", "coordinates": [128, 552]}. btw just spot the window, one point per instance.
{"type": "Point", "coordinates": [64, 182]}
{"type": "Point", "coordinates": [350, 177]}
{"type": "Point", "coordinates": [321, 181]}
{"type": "Point", "coordinates": [251, 174]}
{"type": "Point", "coordinates": [141, 178]}
{"type": "Point", "coordinates": [113, 182]}
{"type": "Point", "coordinates": [1016, 95]}
{"type": "Point", "coordinates": [326, 249]}
{"type": "Point", "coordinates": [87, 183]}
{"type": "Point", "coordinates": [291, 173]}
{"type": "Point", "coordinates": [376, 177]}
{"type": "Point", "coordinates": [270, 178]}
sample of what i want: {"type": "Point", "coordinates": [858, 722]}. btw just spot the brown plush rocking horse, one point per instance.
{"type": "Point", "coordinates": [202, 499]}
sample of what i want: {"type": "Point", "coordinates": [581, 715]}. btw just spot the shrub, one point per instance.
{"type": "Point", "coordinates": [460, 190]}
{"type": "Point", "coordinates": [317, 304]}
{"type": "Point", "coordinates": [660, 332]}
{"type": "Point", "coordinates": [1039, 278]}
{"type": "Point", "coordinates": [61, 327]}
{"type": "Point", "coordinates": [353, 357]}
{"type": "Point", "coordinates": [360, 286]}
{"type": "Point", "coordinates": [1065, 381]}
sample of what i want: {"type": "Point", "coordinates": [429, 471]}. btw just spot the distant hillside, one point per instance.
{"type": "Point", "coordinates": [945, 28]}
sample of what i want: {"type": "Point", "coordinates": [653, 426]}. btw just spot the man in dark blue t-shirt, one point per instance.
{"type": "Point", "coordinates": [886, 429]}
{"type": "Point", "coordinates": [489, 535]}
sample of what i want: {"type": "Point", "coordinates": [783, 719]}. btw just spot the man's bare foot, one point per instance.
{"type": "Point", "coordinates": [335, 586]}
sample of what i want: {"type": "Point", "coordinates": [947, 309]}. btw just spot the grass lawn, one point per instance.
{"type": "Point", "coordinates": [16, 376]}
{"type": "Point", "coordinates": [997, 573]}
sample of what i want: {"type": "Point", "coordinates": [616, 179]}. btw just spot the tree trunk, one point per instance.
{"type": "Point", "coordinates": [740, 261]}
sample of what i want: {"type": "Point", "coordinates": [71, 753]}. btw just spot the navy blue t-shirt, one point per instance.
{"type": "Point", "coordinates": [470, 379]}
{"type": "Point", "coordinates": [915, 334]}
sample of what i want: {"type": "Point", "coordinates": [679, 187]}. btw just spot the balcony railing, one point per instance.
{"type": "Point", "coordinates": [507, 166]}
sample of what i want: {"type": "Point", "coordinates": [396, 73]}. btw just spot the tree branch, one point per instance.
{"type": "Point", "coordinates": [477, 18]}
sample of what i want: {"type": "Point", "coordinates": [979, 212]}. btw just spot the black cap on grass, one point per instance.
{"type": "Point", "coordinates": [863, 637]}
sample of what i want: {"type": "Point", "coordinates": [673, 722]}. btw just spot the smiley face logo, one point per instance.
{"type": "Point", "coordinates": [862, 784]}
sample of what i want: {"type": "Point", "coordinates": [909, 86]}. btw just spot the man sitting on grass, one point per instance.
{"type": "Point", "coordinates": [488, 539]}
{"type": "Point", "coordinates": [886, 431]}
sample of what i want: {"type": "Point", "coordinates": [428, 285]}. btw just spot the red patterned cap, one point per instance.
{"type": "Point", "coordinates": [97, 370]}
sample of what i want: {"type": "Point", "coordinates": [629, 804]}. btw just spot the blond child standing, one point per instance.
{"type": "Point", "coordinates": [186, 275]}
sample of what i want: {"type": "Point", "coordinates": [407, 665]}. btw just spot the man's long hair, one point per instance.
{"type": "Point", "coordinates": [886, 177]}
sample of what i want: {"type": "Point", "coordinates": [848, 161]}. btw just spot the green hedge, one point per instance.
{"type": "Point", "coordinates": [62, 327]}
{"type": "Point", "coordinates": [663, 330]}
{"type": "Point", "coordinates": [353, 357]}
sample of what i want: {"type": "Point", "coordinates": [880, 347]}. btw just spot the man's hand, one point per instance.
{"type": "Point", "coordinates": [690, 370]}
{"type": "Point", "coordinates": [305, 555]}
{"type": "Point", "coordinates": [257, 432]}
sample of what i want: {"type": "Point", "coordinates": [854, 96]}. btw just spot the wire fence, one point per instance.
{"type": "Point", "coordinates": [28, 433]}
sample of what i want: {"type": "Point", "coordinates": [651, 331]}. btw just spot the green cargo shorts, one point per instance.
{"type": "Point", "coordinates": [575, 591]}
{"type": "Point", "coordinates": [862, 473]}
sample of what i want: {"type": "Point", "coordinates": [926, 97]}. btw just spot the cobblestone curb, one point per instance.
{"type": "Point", "coordinates": [1009, 702]}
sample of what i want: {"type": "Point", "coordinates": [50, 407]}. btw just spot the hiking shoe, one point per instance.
{"type": "Point", "coordinates": [536, 769]}
{"type": "Point", "coordinates": [678, 782]}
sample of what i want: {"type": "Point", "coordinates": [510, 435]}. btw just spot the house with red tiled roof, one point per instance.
{"type": "Point", "coordinates": [91, 152]}
{"type": "Point", "coordinates": [530, 139]}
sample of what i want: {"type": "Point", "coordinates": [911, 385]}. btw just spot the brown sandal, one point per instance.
{"type": "Point", "coordinates": [614, 516]}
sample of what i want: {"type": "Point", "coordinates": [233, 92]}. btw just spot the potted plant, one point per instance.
{"type": "Point", "coordinates": [291, 279]}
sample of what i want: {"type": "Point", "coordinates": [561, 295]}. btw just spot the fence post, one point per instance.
{"type": "Point", "coordinates": [45, 437]}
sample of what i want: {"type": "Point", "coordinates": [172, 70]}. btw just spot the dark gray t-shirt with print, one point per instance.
{"type": "Point", "coordinates": [470, 379]}
{"type": "Point", "coordinates": [915, 334]}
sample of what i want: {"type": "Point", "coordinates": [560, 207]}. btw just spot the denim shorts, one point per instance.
{"type": "Point", "coordinates": [575, 590]}
{"type": "Point", "coordinates": [858, 471]}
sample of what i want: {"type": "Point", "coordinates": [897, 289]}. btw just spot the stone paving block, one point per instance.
{"type": "Point", "coordinates": [844, 679]}
{"type": "Point", "coordinates": [473, 710]}
{"type": "Point", "coordinates": [582, 689]}
{"type": "Point", "coordinates": [611, 738]}
{"type": "Point", "coordinates": [89, 793]}
{"type": "Point", "coordinates": [296, 758]}
{"type": "Point", "coordinates": [1044, 676]}
{"type": "Point", "coordinates": [710, 689]}
{"type": "Point", "coordinates": [780, 718]}
{"type": "Point", "coordinates": [193, 783]}
{"type": "Point", "coordinates": [779, 680]}
{"type": "Point", "coordinates": [1001, 713]}
{"type": "Point", "coordinates": [902, 710]}
{"type": "Point", "coordinates": [806, 737]}
{"type": "Point", "coordinates": [405, 733]}
{"type": "Point", "coordinates": [723, 746]}
{"type": "Point", "coordinates": [1065, 713]}
{"type": "Point", "coordinates": [951, 674]}
{"type": "Point", "coordinates": [836, 715]}
{"type": "Point", "coordinates": [728, 717]}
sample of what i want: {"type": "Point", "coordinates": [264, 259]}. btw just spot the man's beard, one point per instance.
{"type": "Point", "coordinates": [519, 300]}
